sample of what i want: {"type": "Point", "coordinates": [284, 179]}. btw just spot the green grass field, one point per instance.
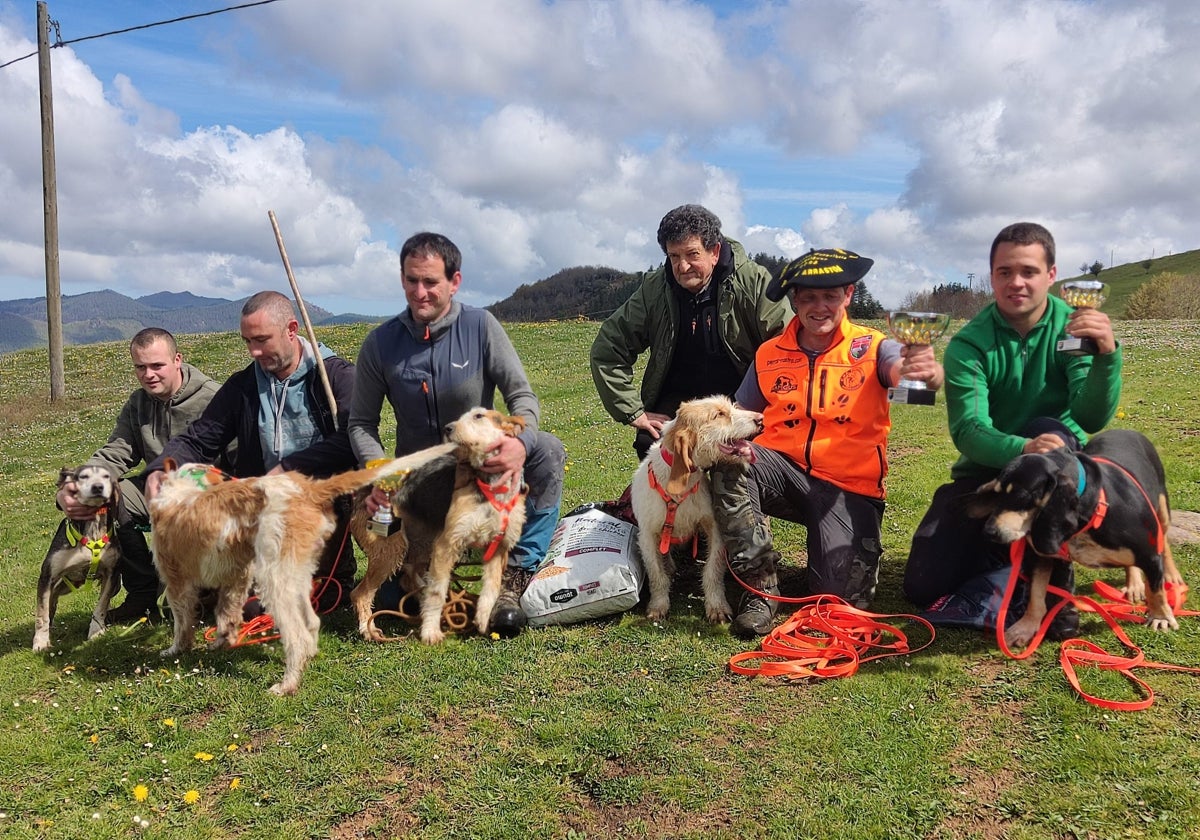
{"type": "Point", "coordinates": [616, 728]}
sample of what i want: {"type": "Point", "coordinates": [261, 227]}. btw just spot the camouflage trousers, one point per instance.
{"type": "Point", "coordinates": [843, 528]}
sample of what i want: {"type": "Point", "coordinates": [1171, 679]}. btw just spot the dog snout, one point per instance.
{"type": "Point", "coordinates": [448, 430]}
{"type": "Point", "coordinates": [97, 488]}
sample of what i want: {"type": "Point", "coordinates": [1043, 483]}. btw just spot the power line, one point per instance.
{"type": "Point", "coordinates": [59, 42]}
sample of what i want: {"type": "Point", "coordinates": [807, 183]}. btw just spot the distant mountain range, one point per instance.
{"type": "Point", "coordinates": [110, 316]}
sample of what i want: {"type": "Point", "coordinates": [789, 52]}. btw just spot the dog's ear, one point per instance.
{"type": "Point", "coordinates": [1058, 519]}
{"type": "Point", "coordinates": [982, 503]}
{"type": "Point", "coordinates": [681, 441]}
{"type": "Point", "coordinates": [65, 474]}
{"type": "Point", "coordinates": [169, 464]}
{"type": "Point", "coordinates": [513, 425]}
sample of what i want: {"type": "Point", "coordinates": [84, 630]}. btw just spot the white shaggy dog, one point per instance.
{"type": "Point", "coordinates": [671, 498]}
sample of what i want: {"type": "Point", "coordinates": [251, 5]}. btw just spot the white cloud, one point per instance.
{"type": "Point", "coordinates": [541, 135]}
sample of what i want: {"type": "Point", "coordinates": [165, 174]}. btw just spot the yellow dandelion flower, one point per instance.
{"type": "Point", "coordinates": [235, 783]}
{"type": "Point", "coordinates": [231, 748]}
{"type": "Point", "coordinates": [191, 797]}
{"type": "Point", "coordinates": [169, 722]}
{"type": "Point", "coordinates": [203, 756]}
{"type": "Point", "coordinates": [94, 738]}
{"type": "Point", "coordinates": [140, 792]}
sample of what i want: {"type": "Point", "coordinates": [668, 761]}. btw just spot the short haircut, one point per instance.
{"type": "Point", "coordinates": [687, 221]}
{"type": "Point", "coordinates": [277, 305]}
{"type": "Point", "coordinates": [1024, 233]}
{"type": "Point", "coordinates": [144, 338]}
{"type": "Point", "coordinates": [426, 244]}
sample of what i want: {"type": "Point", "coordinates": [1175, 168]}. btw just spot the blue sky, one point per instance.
{"type": "Point", "coordinates": [541, 135]}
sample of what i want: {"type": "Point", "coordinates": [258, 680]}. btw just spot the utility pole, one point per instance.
{"type": "Point", "coordinates": [58, 379]}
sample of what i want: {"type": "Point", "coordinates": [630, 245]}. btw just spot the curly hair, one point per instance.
{"type": "Point", "coordinates": [687, 221]}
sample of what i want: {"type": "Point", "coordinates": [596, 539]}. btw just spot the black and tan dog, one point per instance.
{"type": "Point", "coordinates": [1106, 506]}
{"type": "Point", "coordinates": [81, 550]}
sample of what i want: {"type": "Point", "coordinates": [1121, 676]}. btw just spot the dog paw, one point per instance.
{"type": "Point", "coordinates": [432, 637]}
{"type": "Point", "coordinates": [283, 689]}
{"type": "Point", "coordinates": [1019, 634]}
{"type": "Point", "coordinates": [41, 645]}
{"type": "Point", "coordinates": [371, 633]}
{"type": "Point", "coordinates": [657, 609]}
{"type": "Point", "coordinates": [718, 613]}
{"type": "Point", "coordinates": [1161, 624]}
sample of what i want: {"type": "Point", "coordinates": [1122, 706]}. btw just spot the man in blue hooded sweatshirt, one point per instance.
{"type": "Point", "coordinates": [434, 361]}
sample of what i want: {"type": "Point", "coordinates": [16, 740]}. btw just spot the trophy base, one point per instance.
{"type": "Point", "coordinates": [1077, 346]}
{"type": "Point", "coordinates": [383, 529]}
{"type": "Point", "coordinates": [911, 396]}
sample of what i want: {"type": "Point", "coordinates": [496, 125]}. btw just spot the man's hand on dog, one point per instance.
{"type": "Point", "coordinates": [507, 459]}
{"type": "Point", "coordinates": [1042, 444]}
{"type": "Point", "coordinates": [1093, 324]}
{"type": "Point", "coordinates": [650, 422]}
{"type": "Point", "coordinates": [68, 502]}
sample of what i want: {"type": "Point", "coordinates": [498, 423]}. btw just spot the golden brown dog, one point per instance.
{"type": "Point", "coordinates": [671, 498]}
{"type": "Point", "coordinates": [223, 535]}
{"type": "Point", "coordinates": [81, 550]}
{"type": "Point", "coordinates": [447, 506]}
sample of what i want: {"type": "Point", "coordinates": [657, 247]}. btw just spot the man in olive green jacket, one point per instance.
{"type": "Point", "coordinates": [701, 316]}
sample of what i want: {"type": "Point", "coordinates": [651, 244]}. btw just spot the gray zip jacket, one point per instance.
{"type": "Point", "coordinates": [431, 375]}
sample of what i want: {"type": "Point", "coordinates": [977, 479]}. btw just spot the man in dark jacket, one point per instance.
{"type": "Point", "coordinates": [172, 395]}
{"type": "Point", "coordinates": [277, 411]}
{"type": "Point", "coordinates": [701, 316]}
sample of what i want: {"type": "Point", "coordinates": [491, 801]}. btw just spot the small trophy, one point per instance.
{"type": "Point", "coordinates": [915, 329]}
{"type": "Point", "coordinates": [381, 524]}
{"type": "Point", "coordinates": [1082, 293]}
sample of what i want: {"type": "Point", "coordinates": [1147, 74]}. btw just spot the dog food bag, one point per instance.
{"type": "Point", "coordinates": [592, 569]}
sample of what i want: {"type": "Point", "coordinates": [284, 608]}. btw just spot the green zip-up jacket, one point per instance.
{"type": "Point", "coordinates": [997, 381]}
{"type": "Point", "coordinates": [649, 319]}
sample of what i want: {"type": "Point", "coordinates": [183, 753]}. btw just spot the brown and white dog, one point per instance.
{"type": "Point", "coordinates": [216, 534]}
{"type": "Point", "coordinates": [81, 550]}
{"type": "Point", "coordinates": [447, 506]}
{"type": "Point", "coordinates": [1106, 506]}
{"type": "Point", "coordinates": [671, 497]}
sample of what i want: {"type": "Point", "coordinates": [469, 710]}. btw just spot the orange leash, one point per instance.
{"type": "Point", "coordinates": [825, 638]}
{"type": "Point", "coordinates": [1076, 653]}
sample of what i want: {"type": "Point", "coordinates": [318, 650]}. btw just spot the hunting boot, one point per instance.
{"type": "Point", "coordinates": [508, 619]}
{"type": "Point", "coordinates": [138, 577]}
{"type": "Point", "coordinates": [752, 557]}
{"type": "Point", "coordinates": [756, 614]}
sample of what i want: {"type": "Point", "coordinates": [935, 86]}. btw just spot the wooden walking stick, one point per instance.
{"type": "Point", "coordinates": [312, 336]}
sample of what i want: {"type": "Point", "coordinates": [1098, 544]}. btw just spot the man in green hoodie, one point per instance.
{"type": "Point", "coordinates": [172, 395]}
{"type": "Point", "coordinates": [1009, 391]}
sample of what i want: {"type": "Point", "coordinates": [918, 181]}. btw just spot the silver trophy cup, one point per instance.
{"type": "Point", "coordinates": [1082, 293]}
{"type": "Point", "coordinates": [915, 329]}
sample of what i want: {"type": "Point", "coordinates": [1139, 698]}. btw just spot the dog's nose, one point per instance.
{"type": "Point", "coordinates": [447, 430]}
{"type": "Point", "coordinates": [97, 488]}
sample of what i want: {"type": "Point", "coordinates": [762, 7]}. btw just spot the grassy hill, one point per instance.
{"type": "Point", "coordinates": [1124, 279]}
{"type": "Point", "coordinates": [613, 728]}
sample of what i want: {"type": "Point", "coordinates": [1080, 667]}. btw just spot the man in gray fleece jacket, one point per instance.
{"type": "Point", "coordinates": [171, 396]}
{"type": "Point", "coordinates": [432, 362]}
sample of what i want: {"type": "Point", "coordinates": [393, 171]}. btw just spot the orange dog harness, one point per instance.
{"type": "Point", "coordinates": [666, 540]}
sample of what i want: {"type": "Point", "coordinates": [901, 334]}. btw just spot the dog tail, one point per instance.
{"type": "Point", "coordinates": [348, 482]}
